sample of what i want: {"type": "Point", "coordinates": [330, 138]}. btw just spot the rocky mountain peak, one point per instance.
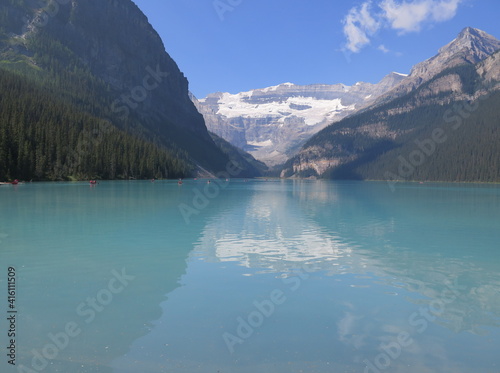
{"type": "Point", "coordinates": [477, 43]}
{"type": "Point", "coordinates": [471, 46]}
{"type": "Point", "coordinates": [468, 32]}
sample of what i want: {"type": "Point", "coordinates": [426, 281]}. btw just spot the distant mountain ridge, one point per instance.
{"type": "Point", "coordinates": [455, 94]}
{"type": "Point", "coordinates": [273, 122]}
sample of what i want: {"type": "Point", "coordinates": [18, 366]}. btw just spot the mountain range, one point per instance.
{"type": "Point", "coordinates": [365, 131]}
{"type": "Point", "coordinates": [89, 91]}
{"type": "Point", "coordinates": [272, 123]}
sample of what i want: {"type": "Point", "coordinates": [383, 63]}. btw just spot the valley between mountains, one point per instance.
{"type": "Point", "coordinates": [376, 131]}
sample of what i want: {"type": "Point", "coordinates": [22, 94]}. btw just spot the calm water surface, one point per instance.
{"type": "Point", "coordinates": [276, 276]}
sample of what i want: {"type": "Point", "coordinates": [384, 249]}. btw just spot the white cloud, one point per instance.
{"type": "Point", "coordinates": [358, 25]}
{"type": "Point", "coordinates": [409, 16]}
{"type": "Point", "coordinates": [361, 23]}
{"type": "Point", "coordinates": [445, 10]}
{"type": "Point", "coordinates": [383, 48]}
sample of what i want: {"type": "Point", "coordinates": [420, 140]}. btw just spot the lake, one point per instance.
{"type": "Point", "coordinates": [281, 276]}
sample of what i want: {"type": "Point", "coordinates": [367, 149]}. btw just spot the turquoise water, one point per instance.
{"type": "Point", "coordinates": [276, 276]}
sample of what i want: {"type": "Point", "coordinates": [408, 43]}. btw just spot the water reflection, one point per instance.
{"type": "Point", "coordinates": [378, 265]}
{"type": "Point", "coordinates": [361, 229]}
{"type": "Point", "coordinates": [67, 241]}
{"type": "Point", "coordinates": [266, 230]}
{"type": "Point", "coordinates": [357, 264]}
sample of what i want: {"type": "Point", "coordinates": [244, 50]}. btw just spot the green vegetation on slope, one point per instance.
{"type": "Point", "coordinates": [43, 137]}
{"type": "Point", "coordinates": [467, 150]}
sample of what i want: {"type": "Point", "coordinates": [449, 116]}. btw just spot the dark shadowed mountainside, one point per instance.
{"type": "Point", "coordinates": [107, 99]}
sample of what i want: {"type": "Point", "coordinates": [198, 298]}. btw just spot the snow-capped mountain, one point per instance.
{"type": "Point", "coordinates": [272, 123]}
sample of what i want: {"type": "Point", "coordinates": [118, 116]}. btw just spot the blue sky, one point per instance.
{"type": "Point", "coordinates": [238, 45]}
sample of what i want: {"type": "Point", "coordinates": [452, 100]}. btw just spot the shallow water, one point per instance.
{"type": "Point", "coordinates": [276, 276]}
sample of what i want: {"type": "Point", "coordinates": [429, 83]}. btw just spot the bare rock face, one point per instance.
{"type": "Point", "coordinates": [106, 34]}
{"type": "Point", "coordinates": [448, 83]}
{"type": "Point", "coordinates": [489, 69]}
{"type": "Point", "coordinates": [217, 124]}
{"type": "Point", "coordinates": [272, 123]}
{"type": "Point", "coordinates": [471, 46]}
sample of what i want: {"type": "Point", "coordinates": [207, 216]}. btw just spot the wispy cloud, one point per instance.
{"type": "Point", "coordinates": [409, 16]}
{"type": "Point", "coordinates": [383, 48]}
{"type": "Point", "coordinates": [361, 23]}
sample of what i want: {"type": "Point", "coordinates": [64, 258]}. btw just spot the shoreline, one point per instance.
{"type": "Point", "coordinates": [275, 179]}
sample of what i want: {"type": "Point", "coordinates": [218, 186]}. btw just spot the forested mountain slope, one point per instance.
{"type": "Point", "coordinates": [92, 81]}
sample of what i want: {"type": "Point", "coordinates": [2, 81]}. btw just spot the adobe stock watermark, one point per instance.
{"type": "Point", "coordinates": [50, 10]}
{"type": "Point", "coordinates": [224, 6]}
{"type": "Point", "coordinates": [91, 138]}
{"type": "Point", "coordinates": [264, 309]}
{"type": "Point", "coordinates": [87, 311]}
{"type": "Point", "coordinates": [211, 190]}
{"type": "Point", "coordinates": [419, 320]}
{"type": "Point", "coordinates": [454, 118]}
{"type": "Point", "coordinates": [139, 93]}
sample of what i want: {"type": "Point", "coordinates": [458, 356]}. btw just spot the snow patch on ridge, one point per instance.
{"type": "Point", "coordinates": [274, 87]}
{"type": "Point", "coordinates": [233, 106]}
{"type": "Point", "coordinates": [261, 143]}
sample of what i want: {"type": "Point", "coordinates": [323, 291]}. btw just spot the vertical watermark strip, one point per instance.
{"type": "Point", "coordinates": [11, 315]}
